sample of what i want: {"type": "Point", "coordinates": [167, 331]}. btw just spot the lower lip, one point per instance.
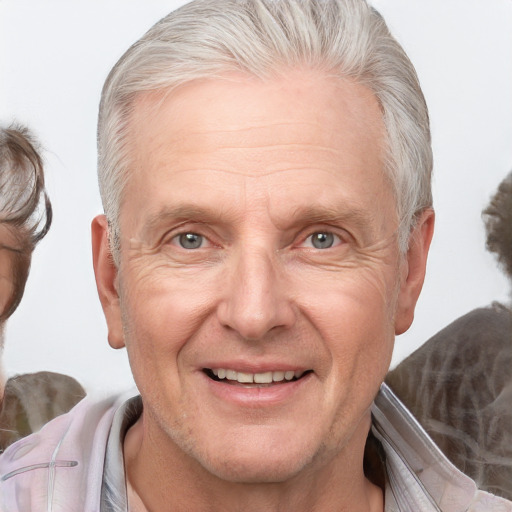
{"type": "Point", "coordinates": [257, 396]}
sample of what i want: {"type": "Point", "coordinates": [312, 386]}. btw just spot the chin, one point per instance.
{"type": "Point", "coordinates": [264, 451]}
{"type": "Point", "coordinates": [258, 458]}
{"type": "Point", "coordinates": [263, 468]}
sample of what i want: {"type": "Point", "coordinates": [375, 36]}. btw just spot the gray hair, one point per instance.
{"type": "Point", "coordinates": [264, 38]}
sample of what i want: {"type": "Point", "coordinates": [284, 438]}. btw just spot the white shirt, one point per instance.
{"type": "Point", "coordinates": [75, 464]}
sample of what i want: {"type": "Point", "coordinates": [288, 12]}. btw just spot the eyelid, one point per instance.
{"type": "Point", "coordinates": [341, 235]}
{"type": "Point", "coordinates": [174, 239]}
{"type": "Point", "coordinates": [204, 242]}
{"type": "Point", "coordinates": [200, 229]}
{"type": "Point", "coordinates": [337, 240]}
{"type": "Point", "coordinates": [187, 227]}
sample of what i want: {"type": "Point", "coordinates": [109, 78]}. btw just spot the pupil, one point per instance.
{"type": "Point", "coordinates": [190, 241]}
{"type": "Point", "coordinates": [323, 240]}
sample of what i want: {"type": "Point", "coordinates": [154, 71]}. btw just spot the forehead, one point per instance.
{"type": "Point", "coordinates": [288, 139]}
{"type": "Point", "coordinates": [301, 106]}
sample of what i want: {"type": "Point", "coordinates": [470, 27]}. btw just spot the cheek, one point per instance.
{"type": "Point", "coordinates": [355, 321]}
{"type": "Point", "coordinates": [356, 330]}
{"type": "Point", "coordinates": [162, 309]}
{"type": "Point", "coordinates": [363, 300]}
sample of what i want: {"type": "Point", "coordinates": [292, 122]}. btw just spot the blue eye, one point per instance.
{"type": "Point", "coordinates": [190, 240]}
{"type": "Point", "coordinates": [322, 240]}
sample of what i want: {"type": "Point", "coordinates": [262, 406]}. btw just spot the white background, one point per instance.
{"type": "Point", "coordinates": [54, 56]}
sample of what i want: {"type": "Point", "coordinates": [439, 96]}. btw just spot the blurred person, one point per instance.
{"type": "Point", "coordinates": [27, 401]}
{"type": "Point", "coordinates": [265, 171]}
{"type": "Point", "coordinates": [459, 383]}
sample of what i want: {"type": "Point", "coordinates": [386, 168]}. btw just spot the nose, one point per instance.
{"type": "Point", "coordinates": [256, 299]}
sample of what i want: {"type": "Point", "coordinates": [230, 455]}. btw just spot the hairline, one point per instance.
{"type": "Point", "coordinates": [408, 145]}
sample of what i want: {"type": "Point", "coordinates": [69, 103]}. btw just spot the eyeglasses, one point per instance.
{"type": "Point", "coordinates": [12, 249]}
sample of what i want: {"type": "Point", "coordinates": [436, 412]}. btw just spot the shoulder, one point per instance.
{"type": "Point", "coordinates": [449, 367]}
{"type": "Point", "coordinates": [31, 400]}
{"type": "Point", "coordinates": [420, 476]}
{"type": "Point", "coordinates": [61, 461]}
{"type": "Point", "coordinates": [458, 385]}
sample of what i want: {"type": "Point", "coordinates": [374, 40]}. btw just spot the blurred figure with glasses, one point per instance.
{"type": "Point", "coordinates": [27, 401]}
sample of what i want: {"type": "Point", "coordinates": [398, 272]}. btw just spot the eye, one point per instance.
{"type": "Point", "coordinates": [190, 240]}
{"type": "Point", "coordinates": [322, 240]}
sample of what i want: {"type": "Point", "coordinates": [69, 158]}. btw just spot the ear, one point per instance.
{"type": "Point", "coordinates": [413, 270]}
{"type": "Point", "coordinates": [106, 274]}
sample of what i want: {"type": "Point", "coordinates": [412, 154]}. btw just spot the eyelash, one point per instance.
{"type": "Point", "coordinates": [336, 239]}
{"type": "Point", "coordinates": [179, 240]}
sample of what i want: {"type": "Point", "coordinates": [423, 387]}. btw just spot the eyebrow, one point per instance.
{"type": "Point", "coordinates": [183, 213]}
{"type": "Point", "coordinates": [356, 217]}
{"type": "Point", "coordinates": [314, 214]}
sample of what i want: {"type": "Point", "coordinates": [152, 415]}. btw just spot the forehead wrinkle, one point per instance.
{"type": "Point", "coordinates": [204, 143]}
{"type": "Point", "coordinates": [274, 146]}
{"type": "Point", "coordinates": [185, 154]}
{"type": "Point", "coordinates": [297, 156]}
{"type": "Point", "coordinates": [255, 126]}
{"type": "Point", "coordinates": [255, 176]}
{"type": "Point", "coordinates": [220, 214]}
{"type": "Point", "coordinates": [256, 137]}
{"type": "Point", "coordinates": [246, 152]}
{"type": "Point", "coordinates": [284, 134]}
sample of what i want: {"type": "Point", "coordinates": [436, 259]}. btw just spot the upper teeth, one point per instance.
{"type": "Point", "coordinates": [257, 378]}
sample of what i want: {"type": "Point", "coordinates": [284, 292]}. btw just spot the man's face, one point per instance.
{"type": "Point", "coordinates": [259, 271]}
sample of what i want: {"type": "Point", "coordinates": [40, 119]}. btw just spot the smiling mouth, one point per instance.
{"type": "Point", "coordinates": [263, 379]}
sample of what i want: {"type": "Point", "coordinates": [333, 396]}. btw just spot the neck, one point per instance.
{"type": "Point", "coordinates": [168, 479]}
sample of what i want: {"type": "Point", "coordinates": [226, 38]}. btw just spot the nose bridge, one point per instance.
{"type": "Point", "coordinates": [255, 299]}
{"type": "Point", "coordinates": [257, 274]}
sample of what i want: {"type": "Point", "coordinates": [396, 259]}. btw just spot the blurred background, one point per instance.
{"type": "Point", "coordinates": [54, 57]}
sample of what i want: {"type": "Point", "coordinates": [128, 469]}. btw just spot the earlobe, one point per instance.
{"type": "Point", "coordinates": [414, 270]}
{"type": "Point", "coordinates": [105, 272]}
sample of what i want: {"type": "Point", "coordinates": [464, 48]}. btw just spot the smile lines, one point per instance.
{"type": "Point", "coordinates": [254, 378]}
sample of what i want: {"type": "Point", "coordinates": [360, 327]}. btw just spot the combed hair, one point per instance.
{"type": "Point", "coordinates": [24, 204]}
{"type": "Point", "coordinates": [265, 38]}
{"type": "Point", "coordinates": [498, 224]}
